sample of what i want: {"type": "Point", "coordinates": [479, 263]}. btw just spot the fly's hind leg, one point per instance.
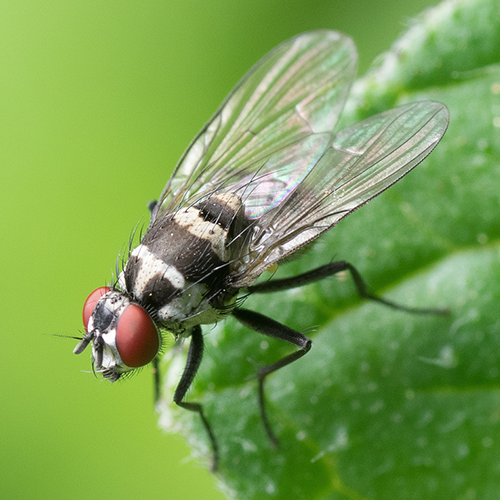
{"type": "Point", "coordinates": [330, 270]}
{"type": "Point", "coordinates": [267, 326]}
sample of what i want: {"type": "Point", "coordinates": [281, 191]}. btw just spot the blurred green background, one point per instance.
{"type": "Point", "coordinates": [98, 99]}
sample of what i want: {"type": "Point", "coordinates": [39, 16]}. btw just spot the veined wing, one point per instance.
{"type": "Point", "coordinates": [295, 92]}
{"type": "Point", "coordinates": [358, 164]}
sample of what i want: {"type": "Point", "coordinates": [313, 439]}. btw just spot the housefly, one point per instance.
{"type": "Point", "coordinates": [266, 176]}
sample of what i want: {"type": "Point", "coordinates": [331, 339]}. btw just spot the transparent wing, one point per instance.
{"type": "Point", "coordinates": [290, 100]}
{"type": "Point", "coordinates": [358, 163]}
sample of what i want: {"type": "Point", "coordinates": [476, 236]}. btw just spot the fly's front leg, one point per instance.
{"type": "Point", "coordinates": [267, 326]}
{"type": "Point", "coordinates": [195, 355]}
{"type": "Point", "coordinates": [330, 270]}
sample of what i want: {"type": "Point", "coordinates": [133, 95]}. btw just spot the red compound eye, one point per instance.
{"type": "Point", "coordinates": [90, 303]}
{"type": "Point", "coordinates": [136, 337]}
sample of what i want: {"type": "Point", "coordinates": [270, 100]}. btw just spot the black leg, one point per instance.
{"type": "Point", "coordinates": [267, 326]}
{"type": "Point", "coordinates": [195, 355]}
{"type": "Point", "coordinates": [329, 270]}
{"type": "Point", "coordinates": [156, 379]}
{"type": "Point", "coordinates": [152, 206]}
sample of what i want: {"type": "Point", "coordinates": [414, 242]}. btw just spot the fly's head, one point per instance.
{"type": "Point", "coordinates": [122, 334]}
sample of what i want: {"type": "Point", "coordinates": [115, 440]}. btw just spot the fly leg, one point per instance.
{"type": "Point", "coordinates": [156, 379]}
{"type": "Point", "coordinates": [195, 355]}
{"type": "Point", "coordinates": [267, 326]}
{"type": "Point", "coordinates": [330, 270]}
{"type": "Point", "coordinates": [151, 207]}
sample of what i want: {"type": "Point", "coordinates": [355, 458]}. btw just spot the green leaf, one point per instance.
{"type": "Point", "coordinates": [387, 405]}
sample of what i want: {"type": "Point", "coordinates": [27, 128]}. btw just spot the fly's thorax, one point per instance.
{"type": "Point", "coordinates": [182, 265]}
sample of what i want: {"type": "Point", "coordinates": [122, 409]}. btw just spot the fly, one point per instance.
{"type": "Point", "coordinates": [266, 176]}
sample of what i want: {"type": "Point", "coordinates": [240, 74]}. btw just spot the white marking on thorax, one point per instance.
{"type": "Point", "coordinates": [233, 201]}
{"type": "Point", "coordinates": [150, 266]}
{"type": "Point", "coordinates": [191, 220]}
